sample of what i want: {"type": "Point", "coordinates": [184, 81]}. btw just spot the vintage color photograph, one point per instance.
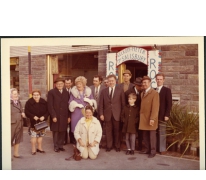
{"type": "Point", "coordinates": [112, 103]}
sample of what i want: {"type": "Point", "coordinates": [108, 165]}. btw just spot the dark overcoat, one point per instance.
{"type": "Point", "coordinates": [113, 107]}
{"type": "Point", "coordinates": [16, 123]}
{"type": "Point", "coordinates": [165, 103]}
{"type": "Point", "coordinates": [129, 117]}
{"type": "Point", "coordinates": [58, 107]}
{"type": "Point", "coordinates": [32, 108]}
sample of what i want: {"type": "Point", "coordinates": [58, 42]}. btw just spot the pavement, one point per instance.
{"type": "Point", "coordinates": [105, 161]}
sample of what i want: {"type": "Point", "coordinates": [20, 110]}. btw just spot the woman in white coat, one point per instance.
{"type": "Point", "coordinates": [88, 134]}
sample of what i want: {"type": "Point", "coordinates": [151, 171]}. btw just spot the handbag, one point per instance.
{"type": "Point", "coordinates": [41, 125]}
{"type": "Point", "coordinates": [76, 156]}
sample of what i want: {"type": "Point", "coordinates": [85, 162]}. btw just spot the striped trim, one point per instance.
{"type": "Point", "coordinates": [16, 51]}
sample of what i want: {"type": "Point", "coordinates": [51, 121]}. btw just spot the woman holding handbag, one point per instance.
{"type": "Point", "coordinates": [16, 122]}
{"type": "Point", "coordinates": [36, 111]}
{"type": "Point", "coordinates": [88, 133]}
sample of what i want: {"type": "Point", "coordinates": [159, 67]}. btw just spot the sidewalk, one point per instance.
{"type": "Point", "coordinates": [105, 161]}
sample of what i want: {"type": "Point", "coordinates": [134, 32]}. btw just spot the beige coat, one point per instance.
{"type": "Point", "coordinates": [149, 110]}
{"type": "Point", "coordinates": [94, 133]}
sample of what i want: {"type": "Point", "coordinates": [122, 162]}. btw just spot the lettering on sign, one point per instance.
{"type": "Point", "coordinates": [154, 64]}
{"type": "Point", "coordinates": [111, 64]}
{"type": "Point", "coordinates": [132, 53]}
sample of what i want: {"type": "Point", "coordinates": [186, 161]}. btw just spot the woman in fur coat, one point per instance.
{"type": "Point", "coordinates": [81, 95]}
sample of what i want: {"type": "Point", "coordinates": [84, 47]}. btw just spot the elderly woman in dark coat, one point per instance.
{"type": "Point", "coordinates": [16, 122]}
{"type": "Point", "coordinates": [36, 111]}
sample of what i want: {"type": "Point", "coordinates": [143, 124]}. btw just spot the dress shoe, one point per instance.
{"type": "Point", "coordinates": [108, 149]}
{"type": "Point", "coordinates": [56, 150]}
{"type": "Point", "coordinates": [117, 149]}
{"type": "Point", "coordinates": [40, 151]}
{"type": "Point", "coordinates": [132, 152]}
{"type": "Point", "coordinates": [20, 157]}
{"type": "Point", "coordinates": [127, 152]}
{"type": "Point", "coordinates": [151, 155]}
{"type": "Point", "coordinates": [61, 149]}
{"type": "Point", "coordinates": [33, 153]}
{"type": "Point", "coordinates": [144, 152]}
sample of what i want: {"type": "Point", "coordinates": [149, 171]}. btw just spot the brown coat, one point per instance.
{"type": "Point", "coordinates": [149, 110]}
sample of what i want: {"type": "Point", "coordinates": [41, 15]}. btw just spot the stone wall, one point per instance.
{"type": "Point", "coordinates": [39, 76]}
{"type": "Point", "coordinates": [180, 66]}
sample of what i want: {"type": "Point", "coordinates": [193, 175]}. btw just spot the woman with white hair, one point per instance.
{"type": "Point", "coordinates": [16, 121]}
{"type": "Point", "coordinates": [81, 95]}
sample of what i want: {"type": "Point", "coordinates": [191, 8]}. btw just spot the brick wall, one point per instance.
{"type": "Point", "coordinates": [39, 76]}
{"type": "Point", "coordinates": [102, 57]}
{"type": "Point", "coordinates": [180, 66]}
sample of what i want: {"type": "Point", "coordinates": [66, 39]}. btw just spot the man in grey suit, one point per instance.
{"type": "Point", "coordinates": [112, 101]}
{"type": "Point", "coordinates": [97, 88]}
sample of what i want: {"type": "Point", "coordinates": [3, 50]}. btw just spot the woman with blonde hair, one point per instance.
{"type": "Point", "coordinates": [36, 111]}
{"type": "Point", "coordinates": [16, 121]}
{"type": "Point", "coordinates": [81, 95]}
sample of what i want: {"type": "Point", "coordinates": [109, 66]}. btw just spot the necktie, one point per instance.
{"type": "Point", "coordinates": [111, 93]}
{"type": "Point", "coordinates": [60, 91]}
{"type": "Point", "coordinates": [96, 93]}
{"type": "Point", "coordinates": [144, 92]}
{"type": "Point", "coordinates": [157, 89]}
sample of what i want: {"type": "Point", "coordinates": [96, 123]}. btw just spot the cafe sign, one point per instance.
{"type": "Point", "coordinates": [132, 53]}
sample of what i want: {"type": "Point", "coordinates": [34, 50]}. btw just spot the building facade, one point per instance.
{"type": "Point", "coordinates": [36, 67]}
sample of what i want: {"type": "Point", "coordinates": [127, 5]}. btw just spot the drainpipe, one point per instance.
{"type": "Point", "coordinates": [30, 76]}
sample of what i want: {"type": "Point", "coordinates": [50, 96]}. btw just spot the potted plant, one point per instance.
{"type": "Point", "coordinates": [183, 127]}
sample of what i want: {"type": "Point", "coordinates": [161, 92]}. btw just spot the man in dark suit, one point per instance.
{"type": "Point", "coordinates": [112, 101]}
{"type": "Point", "coordinates": [137, 89]}
{"type": "Point", "coordinates": [126, 80]}
{"type": "Point", "coordinates": [68, 86]}
{"type": "Point", "coordinates": [164, 111]}
{"type": "Point", "coordinates": [58, 109]}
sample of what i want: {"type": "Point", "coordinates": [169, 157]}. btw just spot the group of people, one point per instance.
{"type": "Point", "coordinates": [124, 110]}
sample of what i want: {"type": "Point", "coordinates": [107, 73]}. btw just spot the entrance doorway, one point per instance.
{"type": "Point", "coordinates": [138, 69]}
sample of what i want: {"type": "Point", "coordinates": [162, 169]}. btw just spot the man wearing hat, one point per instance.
{"type": "Point", "coordinates": [137, 89]}
{"type": "Point", "coordinates": [149, 116]}
{"type": "Point", "coordinates": [59, 113]}
{"type": "Point", "coordinates": [126, 80]}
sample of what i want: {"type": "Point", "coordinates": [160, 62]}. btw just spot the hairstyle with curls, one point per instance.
{"type": "Point", "coordinates": [12, 90]}
{"type": "Point", "coordinates": [36, 90]}
{"type": "Point", "coordinates": [81, 79]}
{"type": "Point", "coordinates": [132, 95]}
